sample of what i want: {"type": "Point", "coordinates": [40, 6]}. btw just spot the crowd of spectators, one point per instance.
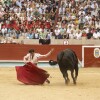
{"type": "Point", "coordinates": [78, 18]}
{"type": "Point", "coordinates": [35, 19]}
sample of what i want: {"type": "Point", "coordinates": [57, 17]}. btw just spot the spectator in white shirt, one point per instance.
{"type": "Point", "coordinates": [4, 31]}
{"type": "Point", "coordinates": [78, 35]}
{"type": "Point", "coordinates": [57, 32]}
{"type": "Point", "coordinates": [98, 33]}
{"type": "Point", "coordinates": [71, 35]}
{"type": "Point", "coordinates": [95, 35]}
{"type": "Point", "coordinates": [69, 29]}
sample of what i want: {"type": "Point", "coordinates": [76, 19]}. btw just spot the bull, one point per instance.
{"type": "Point", "coordinates": [67, 60]}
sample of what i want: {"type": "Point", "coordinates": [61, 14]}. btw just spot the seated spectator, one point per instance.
{"type": "Point", "coordinates": [57, 32]}
{"type": "Point", "coordinates": [30, 35]}
{"type": "Point", "coordinates": [95, 35]}
{"type": "Point", "coordinates": [97, 24]}
{"type": "Point", "coordinates": [89, 35]}
{"type": "Point", "coordinates": [43, 38]}
{"type": "Point", "coordinates": [4, 31]}
{"type": "Point", "coordinates": [72, 35]}
{"type": "Point", "coordinates": [78, 35]}
{"type": "Point", "coordinates": [98, 33]}
{"type": "Point", "coordinates": [35, 34]}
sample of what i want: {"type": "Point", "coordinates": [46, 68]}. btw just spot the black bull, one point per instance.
{"type": "Point", "coordinates": [67, 60]}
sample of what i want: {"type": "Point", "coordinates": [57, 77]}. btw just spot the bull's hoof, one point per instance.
{"type": "Point", "coordinates": [74, 82]}
{"type": "Point", "coordinates": [75, 78]}
{"type": "Point", "coordinates": [67, 82]}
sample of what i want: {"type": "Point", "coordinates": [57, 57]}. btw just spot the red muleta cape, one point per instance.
{"type": "Point", "coordinates": [30, 74]}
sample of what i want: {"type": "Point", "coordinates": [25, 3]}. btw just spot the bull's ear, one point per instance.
{"type": "Point", "coordinates": [52, 62]}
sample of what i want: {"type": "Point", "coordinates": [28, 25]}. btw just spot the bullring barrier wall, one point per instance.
{"type": "Point", "coordinates": [9, 52]}
{"type": "Point", "coordinates": [17, 51]}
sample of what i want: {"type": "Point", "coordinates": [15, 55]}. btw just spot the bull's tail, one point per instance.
{"type": "Point", "coordinates": [79, 62]}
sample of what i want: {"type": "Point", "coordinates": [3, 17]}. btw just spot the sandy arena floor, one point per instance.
{"type": "Point", "coordinates": [87, 88]}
